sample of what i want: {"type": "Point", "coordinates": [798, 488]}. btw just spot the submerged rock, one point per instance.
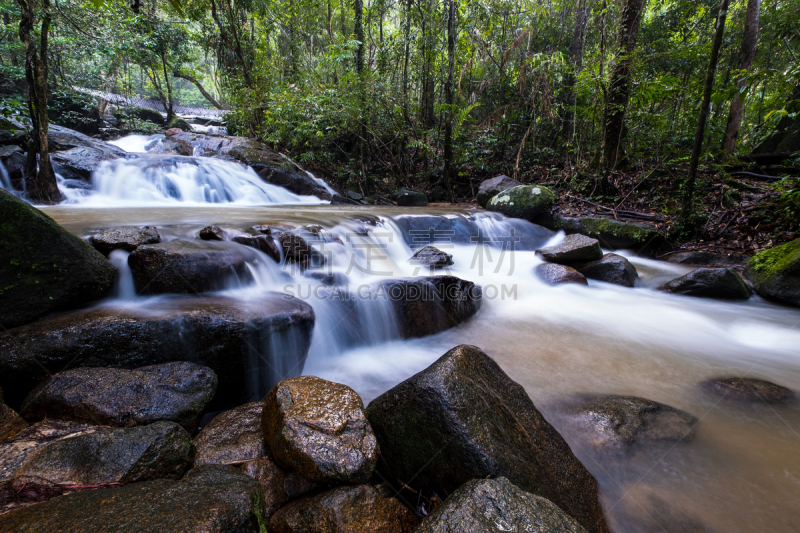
{"type": "Point", "coordinates": [10, 422]}
{"type": "Point", "coordinates": [432, 257]}
{"type": "Point", "coordinates": [361, 508]}
{"type": "Point", "coordinates": [424, 306]}
{"type": "Point", "coordinates": [618, 422]}
{"type": "Point", "coordinates": [319, 429]}
{"type": "Point", "coordinates": [249, 346]}
{"type": "Point", "coordinates": [495, 504]}
{"type": "Point", "coordinates": [408, 198]}
{"type": "Point", "coordinates": [749, 390]}
{"type": "Point", "coordinates": [494, 186]}
{"type": "Point", "coordinates": [775, 273]}
{"type": "Point", "coordinates": [262, 243]}
{"type": "Point", "coordinates": [107, 240]}
{"type": "Point", "coordinates": [647, 509]}
{"type": "Point", "coordinates": [555, 274]}
{"type": "Point", "coordinates": [612, 268]}
{"type": "Point", "coordinates": [209, 498]}
{"type": "Point", "coordinates": [109, 455]}
{"type": "Point", "coordinates": [178, 392]}
{"type": "Point", "coordinates": [531, 202]}
{"type": "Point", "coordinates": [463, 418]}
{"type": "Point", "coordinates": [720, 283]}
{"type": "Point", "coordinates": [576, 248]}
{"type": "Point", "coordinates": [643, 239]}
{"type": "Point", "coordinates": [212, 233]}
{"type": "Point", "coordinates": [45, 267]}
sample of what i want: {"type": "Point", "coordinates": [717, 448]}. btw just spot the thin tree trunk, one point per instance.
{"type": "Point", "coordinates": [691, 180]}
{"type": "Point", "coordinates": [405, 63]}
{"type": "Point", "coordinates": [619, 86]}
{"type": "Point", "coordinates": [576, 51]}
{"type": "Point", "coordinates": [449, 168]}
{"type": "Point", "coordinates": [208, 96]}
{"type": "Point", "coordinates": [746, 56]}
{"type": "Point", "coordinates": [170, 104]}
{"type": "Point", "coordinates": [40, 180]}
{"type": "Point", "coordinates": [358, 29]}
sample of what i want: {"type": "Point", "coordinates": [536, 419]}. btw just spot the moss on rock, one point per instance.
{"type": "Point", "coordinates": [613, 234]}
{"type": "Point", "coordinates": [775, 273]}
{"type": "Point", "coordinates": [531, 202]}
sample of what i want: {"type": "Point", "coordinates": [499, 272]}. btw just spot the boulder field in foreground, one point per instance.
{"type": "Point", "coordinates": [463, 418]}
{"type": "Point", "coordinates": [45, 268]}
{"type": "Point", "coordinates": [249, 346]}
{"type": "Point", "coordinates": [775, 273]}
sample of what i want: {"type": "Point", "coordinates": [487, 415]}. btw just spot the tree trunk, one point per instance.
{"type": "Point", "coordinates": [746, 56]}
{"type": "Point", "coordinates": [200, 87]}
{"type": "Point", "coordinates": [358, 29]}
{"type": "Point", "coordinates": [428, 89]}
{"type": "Point", "coordinates": [449, 168]}
{"type": "Point", "coordinates": [170, 104]}
{"type": "Point", "coordinates": [405, 63]}
{"type": "Point", "coordinates": [40, 179]}
{"type": "Point", "coordinates": [619, 86]}
{"type": "Point", "coordinates": [689, 184]}
{"type": "Point", "coordinates": [576, 51]}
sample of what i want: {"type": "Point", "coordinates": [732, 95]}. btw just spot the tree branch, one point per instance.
{"type": "Point", "coordinates": [200, 87]}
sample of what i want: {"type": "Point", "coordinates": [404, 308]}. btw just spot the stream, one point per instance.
{"type": "Point", "coordinates": [741, 472]}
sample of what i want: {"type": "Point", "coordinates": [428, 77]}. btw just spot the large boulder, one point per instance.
{"type": "Point", "coordinates": [612, 268]}
{"type": "Point", "coordinates": [45, 268]}
{"type": "Point", "coordinates": [187, 266]}
{"type": "Point", "coordinates": [109, 455]}
{"type": "Point", "coordinates": [748, 390]}
{"type": "Point", "coordinates": [554, 274]}
{"type": "Point", "coordinates": [62, 139]}
{"type": "Point", "coordinates": [720, 283]}
{"type": "Point", "coordinates": [295, 181]}
{"type": "Point", "coordinates": [643, 239]}
{"type": "Point", "coordinates": [408, 198]}
{"type": "Point", "coordinates": [428, 305]}
{"type": "Point", "coordinates": [209, 498]}
{"type": "Point", "coordinates": [530, 202]}
{"type": "Point", "coordinates": [431, 257]}
{"type": "Point", "coordinates": [10, 422]}
{"type": "Point", "coordinates": [775, 273]}
{"type": "Point", "coordinates": [575, 248]}
{"type": "Point", "coordinates": [490, 188]}
{"type": "Point", "coordinates": [80, 162]}
{"type": "Point", "coordinates": [177, 392]}
{"type": "Point", "coordinates": [496, 504]}
{"type": "Point", "coordinates": [360, 508]}
{"type": "Point", "coordinates": [463, 418]}
{"type": "Point", "coordinates": [319, 429]}
{"type": "Point", "coordinates": [106, 240]}
{"type": "Point", "coordinates": [250, 347]}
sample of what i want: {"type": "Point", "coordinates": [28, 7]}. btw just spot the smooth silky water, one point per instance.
{"type": "Point", "coordinates": [740, 473]}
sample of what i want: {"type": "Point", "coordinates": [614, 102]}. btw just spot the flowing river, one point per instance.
{"type": "Point", "coordinates": [741, 472]}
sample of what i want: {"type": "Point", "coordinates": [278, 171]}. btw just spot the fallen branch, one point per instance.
{"type": "Point", "coordinates": [628, 214]}
{"type": "Point", "coordinates": [754, 175]}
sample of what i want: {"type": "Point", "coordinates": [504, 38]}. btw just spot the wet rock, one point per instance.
{"type": "Point", "coordinates": [178, 123]}
{"type": "Point", "coordinates": [495, 504]}
{"type": "Point", "coordinates": [15, 166]}
{"type": "Point", "coordinates": [262, 243]}
{"type": "Point", "coordinates": [8, 151]}
{"type": "Point", "coordinates": [643, 239]}
{"type": "Point", "coordinates": [463, 418]}
{"type": "Point", "coordinates": [708, 259]}
{"type": "Point", "coordinates": [182, 267]}
{"type": "Point", "coordinates": [720, 283]}
{"type": "Point", "coordinates": [353, 195]}
{"type": "Point", "coordinates": [619, 422]}
{"type": "Point", "coordinates": [576, 248]}
{"type": "Point", "coordinates": [749, 390]}
{"type": "Point", "coordinates": [530, 202]}
{"type": "Point", "coordinates": [344, 509]}
{"type": "Point", "coordinates": [297, 250]}
{"type": "Point", "coordinates": [178, 392]}
{"type": "Point", "coordinates": [272, 480]}
{"type": "Point", "coordinates": [612, 268]}
{"type": "Point", "coordinates": [109, 455]}
{"type": "Point", "coordinates": [10, 422]}
{"type": "Point", "coordinates": [319, 429]}
{"type": "Point", "coordinates": [432, 257]}
{"type": "Point", "coordinates": [494, 186]}
{"type": "Point", "coordinates": [425, 306]}
{"type": "Point", "coordinates": [209, 498]}
{"type": "Point", "coordinates": [408, 198]}
{"type": "Point", "coordinates": [45, 268]}
{"type": "Point", "coordinates": [80, 162]}
{"type": "Point", "coordinates": [554, 274]}
{"type": "Point", "coordinates": [250, 347]}
{"type": "Point", "coordinates": [232, 436]}
{"type": "Point", "coordinates": [143, 113]}
{"type": "Point", "coordinates": [62, 139]}
{"type": "Point", "coordinates": [106, 240]}
{"type": "Point", "coordinates": [775, 273]}
{"type": "Point", "coordinates": [262, 230]}
{"type": "Point", "coordinates": [295, 181]}
{"type": "Point", "coordinates": [212, 233]}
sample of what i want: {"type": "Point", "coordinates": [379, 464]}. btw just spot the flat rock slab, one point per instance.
{"type": "Point", "coordinates": [554, 274]}
{"type": "Point", "coordinates": [209, 498]}
{"type": "Point", "coordinates": [576, 248]}
{"type": "Point", "coordinates": [494, 186]}
{"type": "Point", "coordinates": [106, 240]}
{"type": "Point", "coordinates": [250, 346]}
{"type": "Point", "coordinates": [719, 283]}
{"type": "Point", "coordinates": [177, 392]}
{"type": "Point", "coordinates": [619, 422]}
{"type": "Point", "coordinates": [359, 508]}
{"type": "Point", "coordinates": [463, 418]}
{"type": "Point", "coordinates": [483, 505]}
{"type": "Point", "coordinates": [319, 429]}
{"type": "Point", "coordinates": [612, 268]}
{"type": "Point", "coordinates": [749, 390]}
{"type": "Point", "coordinates": [432, 257]}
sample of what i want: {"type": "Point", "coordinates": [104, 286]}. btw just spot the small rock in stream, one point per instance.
{"type": "Point", "coordinates": [576, 248]}
{"type": "Point", "coordinates": [432, 257]}
{"type": "Point", "coordinates": [212, 233]}
{"type": "Point", "coordinates": [297, 250]}
{"type": "Point", "coordinates": [554, 274]}
{"type": "Point", "coordinates": [612, 268]}
{"type": "Point", "coordinates": [262, 243]}
{"type": "Point", "coordinates": [720, 283]}
{"type": "Point", "coordinates": [749, 390]}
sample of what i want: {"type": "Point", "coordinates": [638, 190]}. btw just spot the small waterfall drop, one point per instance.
{"type": "Point", "coordinates": [124, 289]}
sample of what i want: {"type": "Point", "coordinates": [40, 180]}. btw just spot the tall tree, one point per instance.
{"type": "Point", "coordinates": [40, 178]}
{"type": "Point", "coordinates": [689, 185]}
{"type": "Point", "coordinates": [747, 54]}
{"type": "Point", "coordinates": [619, 86]}
{"type": "Point", "coordinates": [449, 168]}
{"type": "Point", "coordinates": [576, 53]}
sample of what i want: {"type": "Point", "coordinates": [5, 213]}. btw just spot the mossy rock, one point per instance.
{"type": "Point", "coordinates": [775, 273]}
{"type": "Point", "coordinates": [178, 122]}
{"type": "Point", "coordinates": [531, 202]}
{"type": "Point", "coordinates": [613, 234]}
{"type": "Point", "coordinates": [44, 268]}
{"type": "Point", "coordinates": [150, 115]}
